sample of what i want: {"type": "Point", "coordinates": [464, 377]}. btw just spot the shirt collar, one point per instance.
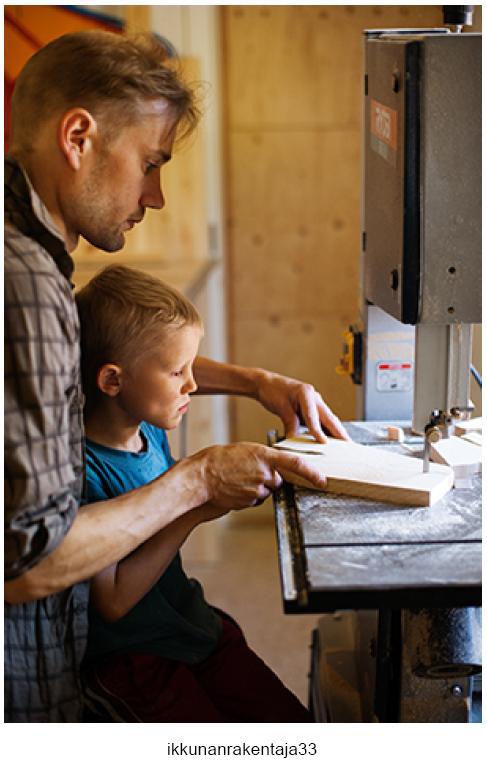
{"type": "Point", "coordinates": [25, 210]}
{"type": "Point", "coordinates": [40, 209]}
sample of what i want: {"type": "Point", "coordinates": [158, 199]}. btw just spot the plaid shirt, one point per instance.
{"type": "Point", "coordinates": [45, 639]}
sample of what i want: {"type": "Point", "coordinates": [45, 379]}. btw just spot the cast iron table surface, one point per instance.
{"type": "Point", "coordinates": [339, 552]}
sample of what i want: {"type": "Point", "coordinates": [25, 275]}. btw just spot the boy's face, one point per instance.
{"type": "Point", "coordinates": [157, 388]}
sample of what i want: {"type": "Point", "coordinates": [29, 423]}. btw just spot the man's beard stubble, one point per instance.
{"type": "Point", "coordinates": [95, 215]}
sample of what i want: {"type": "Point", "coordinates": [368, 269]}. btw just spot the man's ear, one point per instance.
{"type": "Point", "coordinates": [77, 130]}
{"type": "Point", "coordinates": [109, 379]}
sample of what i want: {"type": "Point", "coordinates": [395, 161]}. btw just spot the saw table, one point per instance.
{"type": "Point", "coordinates": [339, 552]}
{"type": "Point", "coordinates": [417, 570]}
{"type": "Point", "coordinates": [404, 642]}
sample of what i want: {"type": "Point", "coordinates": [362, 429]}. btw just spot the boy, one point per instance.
{"type": "Point", "coordinates": [157, 651]}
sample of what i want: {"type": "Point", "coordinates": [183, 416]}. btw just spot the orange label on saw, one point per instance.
{"type": "Point", "coordinates": [383, 123]}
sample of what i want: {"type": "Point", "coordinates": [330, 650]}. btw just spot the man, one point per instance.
{"type": "Point", "coordinates": [94, 118]}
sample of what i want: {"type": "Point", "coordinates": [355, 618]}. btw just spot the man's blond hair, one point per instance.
{"type": "Point", "coordinates": [108, 74]}
{"type": "Point", "coordinates": [122, 311]}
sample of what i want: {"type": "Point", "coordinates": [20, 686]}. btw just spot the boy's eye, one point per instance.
{"type": "Point", "coordinates": [178, 373]}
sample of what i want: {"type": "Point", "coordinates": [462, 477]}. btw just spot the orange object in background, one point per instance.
{"type": "Point", "coordinates": [29, 27]}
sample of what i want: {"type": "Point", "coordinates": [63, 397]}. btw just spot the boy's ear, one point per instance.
{"type": "Point", "coordinates": [109, 379]}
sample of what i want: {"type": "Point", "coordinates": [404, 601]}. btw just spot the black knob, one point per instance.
{"type": "Point", "coordinates": [458, 15]}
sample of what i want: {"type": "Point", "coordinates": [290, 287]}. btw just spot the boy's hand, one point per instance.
{"type": "Point", "coordinates": [244, 475]}
{"type": "Point", "coordinates": [297, 403]}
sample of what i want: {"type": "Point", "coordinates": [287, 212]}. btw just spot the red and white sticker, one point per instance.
{"type": "Point", "coordinates": [394, 376]}
{"type": "Point", "coordinates": [383, 123]}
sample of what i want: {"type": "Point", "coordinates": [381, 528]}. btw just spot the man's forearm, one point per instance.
{"type": "Point", "coordinates": [105, 532]}
{"type": "Point", "coordinates": [222, 378]}
{"type": "Point", "coordinates": [226, 478]}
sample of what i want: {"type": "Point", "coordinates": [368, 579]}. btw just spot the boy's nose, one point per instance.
{"type": "Point", "coordinates": [190, 386]}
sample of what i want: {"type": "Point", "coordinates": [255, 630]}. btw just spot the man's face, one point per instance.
{"type": "Point", "coordinates": [123, 178]}
{"type": "Point", "coordinates": [157, 389]}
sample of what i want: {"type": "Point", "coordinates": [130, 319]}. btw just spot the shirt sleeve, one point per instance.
{"type": "Point", "coordinates": [42, 416]}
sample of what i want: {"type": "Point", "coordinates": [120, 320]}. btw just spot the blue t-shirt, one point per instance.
{"type": "Point", "coordinates": [173, 619]}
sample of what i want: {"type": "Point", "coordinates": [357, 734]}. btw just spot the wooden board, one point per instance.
{"type": "Point", "coordinates": [475, 438]}
{"type": "Point", "coordinates": [467, 426]}
{"type": "Point", "coordinates": [464, 457]}
{"type": "Point", "coordinates": [362, 471]}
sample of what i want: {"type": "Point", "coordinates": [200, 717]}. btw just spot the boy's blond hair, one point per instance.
{"type": "Point", "coordinates": [122, 311]}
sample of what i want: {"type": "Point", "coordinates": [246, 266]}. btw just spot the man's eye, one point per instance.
{"type": "Point", "coordinates": [149, 167]}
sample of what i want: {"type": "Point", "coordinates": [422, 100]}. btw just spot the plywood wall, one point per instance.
{"type": "Point", "coordinates": [293, 105]}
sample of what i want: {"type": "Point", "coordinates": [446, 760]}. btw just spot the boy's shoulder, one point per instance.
{"type": "Point", "coordinates": [155, 435]}
{"type": "Point", "coordinates": [98, 453]}
{"type": "Point", "coordinates": [110, 472]}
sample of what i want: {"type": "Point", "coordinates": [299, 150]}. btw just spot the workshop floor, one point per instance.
{"type": "Point", "coordinates": [235, 559]}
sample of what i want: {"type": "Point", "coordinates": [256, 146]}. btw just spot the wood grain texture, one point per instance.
{"type": "Point", "coordinates": [462, 456]}
{"type": "Point", "coordinates": [474, 437]}
{"type": "Point", "coordinates": [362, 471]}
{"type": "Point", "coordinates": [300, 64]}
{"type": "Point", "coordinates": [298, 258]}
{"type": "Point", "coordinates": [137, 18]}
{"type": "Point", "coordinates": [293, 112]}
{"type": "Point", "coordinates": [293, 346]}
{"type": "Point", "coordinates": [467, 426]}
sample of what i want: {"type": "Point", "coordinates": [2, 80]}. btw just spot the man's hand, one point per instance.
{"type": "Point", "coordinates": [297, 404]}
{"type": "Point", "coordinates": [244, 475]}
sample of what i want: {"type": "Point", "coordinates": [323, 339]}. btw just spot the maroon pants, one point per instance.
{"type": "Point", "coordinates": [232, 685]}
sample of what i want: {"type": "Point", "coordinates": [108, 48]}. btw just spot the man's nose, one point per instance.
{"type": "Point", "coordinates": [153, 197]}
